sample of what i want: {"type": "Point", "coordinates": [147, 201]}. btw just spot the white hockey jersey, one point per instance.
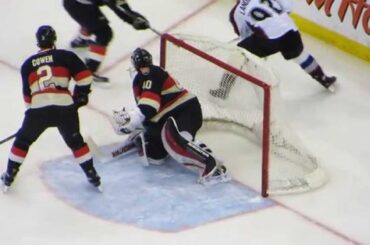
{"type": "Point", "coordinates": [270, 17]}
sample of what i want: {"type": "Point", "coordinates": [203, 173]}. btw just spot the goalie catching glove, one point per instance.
{"type": "Point", "coordinates": [127, 121]}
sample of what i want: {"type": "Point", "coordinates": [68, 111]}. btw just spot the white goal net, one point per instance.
{"type": "Point", "coordinates": [238, 90]}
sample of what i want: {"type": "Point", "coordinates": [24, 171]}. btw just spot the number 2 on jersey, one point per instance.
{"type": "Point", "coordinates": [45, 74]}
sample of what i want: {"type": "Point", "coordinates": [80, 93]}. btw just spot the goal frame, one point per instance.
{"type": "Point", "coordinates": [248, 78]}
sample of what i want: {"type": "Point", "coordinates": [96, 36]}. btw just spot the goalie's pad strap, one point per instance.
{"type": "Point", "coordinates": [181, 149]}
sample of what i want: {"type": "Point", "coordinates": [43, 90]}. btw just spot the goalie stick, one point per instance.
{"type": "Point", "coordinates": [126, 148]}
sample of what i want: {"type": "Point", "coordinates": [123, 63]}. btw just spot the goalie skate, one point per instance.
{"type": "Point", "coordinates": [219, 175]}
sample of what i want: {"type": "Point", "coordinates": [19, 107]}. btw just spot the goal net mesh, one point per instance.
{"type": "Point", "coordinates": [232, 101]}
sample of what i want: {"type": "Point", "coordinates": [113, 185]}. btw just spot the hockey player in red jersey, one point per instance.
{"type": "Point", "coordinates": [171, 117]}
{"type": "Point", "coordinates": [45, 77]}
{"type": "Point", "coordinates": [265, 28]}
{"type": "Point", "coordinates": [92, 21]}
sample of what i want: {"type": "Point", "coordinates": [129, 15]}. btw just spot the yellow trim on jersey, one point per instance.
{"type": "Point", "coordinates": [85, 81]}
{"type": "Point", "coordinates": [150, 102]}
{"type": "Point", "coordinates": [332, 37]}
{"type": "Point", "coordinates": [181, 100]}
{"type": "Point", "coordinates": [58, 81]}
{"type": "Point", "coordinates": [47, 99]}
{"type": "Point", "coordinates": [170, 90]}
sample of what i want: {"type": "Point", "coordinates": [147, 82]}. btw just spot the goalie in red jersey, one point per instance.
{"type": "Point", "coordinates": [170, 117]}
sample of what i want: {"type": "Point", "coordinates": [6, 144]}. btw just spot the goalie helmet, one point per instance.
{"type": "Point", "coordinates": [141, 58]}
{"type": "Point", "coordinates": [46, 36]}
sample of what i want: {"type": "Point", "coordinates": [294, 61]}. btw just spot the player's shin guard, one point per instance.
{"type": "Point", "coordinates": [188, 152]}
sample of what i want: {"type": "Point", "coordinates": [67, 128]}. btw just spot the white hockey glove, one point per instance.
{"type": "Point", "coordinates": [127, 121]}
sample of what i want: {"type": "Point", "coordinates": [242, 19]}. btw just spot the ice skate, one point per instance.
{"type": "Point", "coordinates": [327, 82]}
{"type": "Point", "coordinates": [6, 181]}
{"type": "Point", "coordinates": [93, 178]}
{"type": "Point", "coordinates": [79, 42]}
{"type": "Point", "coordinates": [217, 175]}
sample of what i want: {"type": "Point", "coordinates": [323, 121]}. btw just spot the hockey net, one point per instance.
{"type": "Point", "coordinates": [237, 90]}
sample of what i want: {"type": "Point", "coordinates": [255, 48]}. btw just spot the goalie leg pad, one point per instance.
{"type": "Point", "coordinates": [185, 151]}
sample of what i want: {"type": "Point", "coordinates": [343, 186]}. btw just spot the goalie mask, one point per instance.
{"type": "Point", "coordinates": [46, 36]}
{"type": "Point", "coordinates": [141, 58]}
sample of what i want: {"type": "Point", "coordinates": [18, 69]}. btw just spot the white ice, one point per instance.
{"type": "Point", "coordinates": [336, 127]}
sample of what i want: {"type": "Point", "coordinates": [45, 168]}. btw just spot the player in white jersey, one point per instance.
{"type": "Point", "coordinates": [265, 28]}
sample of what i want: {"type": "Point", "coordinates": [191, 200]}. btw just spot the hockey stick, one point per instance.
{"type": "Point", "coordinates": [126, 148]}
{"type": "Point", "coordinates": [155, 31]}
{"type": "Point", "coordinates": [8, 138]}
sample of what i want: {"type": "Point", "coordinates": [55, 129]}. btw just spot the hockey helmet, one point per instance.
{"type": "Point", "coordinates": [46, 36]}
{"type": "Point", "coordinates": [141, 58]}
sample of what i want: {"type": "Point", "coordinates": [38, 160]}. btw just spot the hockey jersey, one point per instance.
{"type": "Point", "coordinates": [46, 76]}
{"type": "Point", "coordinates": [158, 94]}
{"type": "Point", "coordinates": [269, 18]}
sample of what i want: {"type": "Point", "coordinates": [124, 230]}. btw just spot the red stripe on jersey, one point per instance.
{"type": "Point", "coordinates": [136, 93]}
{"type": "Point", "coordinates": [98, 49]}
{"type": "Point", "coordinates": [82, 75]}
{"type": "Point", "coordinates": [59, 71]}
{"type": "Point", "coordinates": [168, 83]}
{"type": "Point", "coordinates": [82, 151]}
{"type": "Point", "coordinates": [27, 99]}
{"type": "Point", "coordinates": [151, 95]}
{"type": "Point", "coordinates": [18, 152]}
{"type": "Point", "coordinates": [32, 77]}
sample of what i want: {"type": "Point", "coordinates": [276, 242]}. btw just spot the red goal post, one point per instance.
{"type": "Point", "coordinates": [213, 71]}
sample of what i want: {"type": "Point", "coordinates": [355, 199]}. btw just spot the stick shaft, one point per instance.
{"type": "Point", "coordinates": [156, 31]}
{"type": "Point", "coordinates": [8, 138]}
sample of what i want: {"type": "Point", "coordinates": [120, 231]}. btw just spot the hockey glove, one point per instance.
{"type": "Point", "coordinates": [81, 95]}
{"type": "Point", "coordinates": [80, 100]}
{"type": "Point", "coordinates": [140, 22]}
{"type": "Point", "coordinates": [126, 122]}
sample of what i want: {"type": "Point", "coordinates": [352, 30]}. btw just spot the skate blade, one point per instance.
{"type": "Point", "coordinates": [223, 178]}
{"type": "Point", "coordinates": [4, 189]}
{"type": "Point", "coordinates": [333, 88]}
{"type": "Point", "coordinates": [99, 188]}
